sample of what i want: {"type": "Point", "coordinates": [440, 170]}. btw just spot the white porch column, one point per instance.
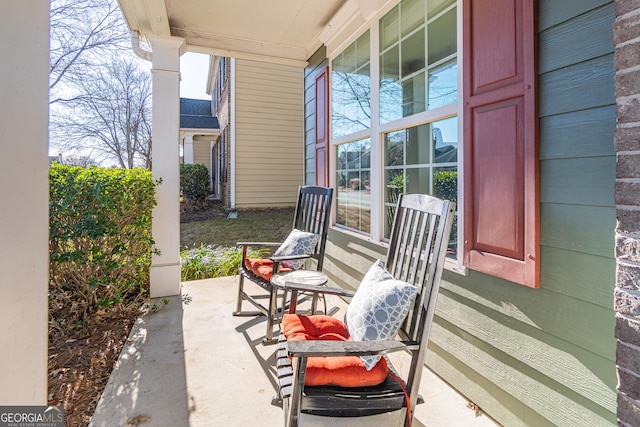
{"type": "Point", "coordinates": [188, 148]}
{"type": "Point", "coordinates": [24, 191]}
{"type": "Point", "coordinates": [165, 267]}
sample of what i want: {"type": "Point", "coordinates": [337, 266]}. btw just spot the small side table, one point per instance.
{"type": "Point", "coordinates": [307, 277]}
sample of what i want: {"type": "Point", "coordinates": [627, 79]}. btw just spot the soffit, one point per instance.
{"type": "Point", "coordinates": [280, 31]}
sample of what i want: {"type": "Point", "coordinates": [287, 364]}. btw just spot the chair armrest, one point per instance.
{"type": "Point", "coordinates": [301, 287]}
{"type": "Point", "coordinates": [258, 243]}
{"type": "Point", "coordinates": [288, 257]}
{"type": "Point", "coordinates": [346, 348]}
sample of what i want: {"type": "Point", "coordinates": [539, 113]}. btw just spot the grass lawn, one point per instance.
{"type": "Point", "coordinates": [226, 232]}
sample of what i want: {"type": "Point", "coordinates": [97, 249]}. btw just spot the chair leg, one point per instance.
{"type": "Point", "coordinates": [271, 317]}
{"type": "Point", "coordinates": [239, 299]}
{"type": "Point", "coordinates": [295, 400]}
{"type": "Point", "coordinates": [285, 411]}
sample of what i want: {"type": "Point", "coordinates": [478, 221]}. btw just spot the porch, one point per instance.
{"type": "Point", "coordinates": [192, 363]}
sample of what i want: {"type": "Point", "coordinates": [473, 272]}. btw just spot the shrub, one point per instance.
{"type": "Point", "coordinates": [446, 185]}
{"type": "Point", "coordinates": [194, 181]}
{"type": "Point", "coordinates": [208, 261]}
{"type": "Point", "coordinates": [100, 242]}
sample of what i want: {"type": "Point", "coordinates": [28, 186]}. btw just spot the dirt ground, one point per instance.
{"type": "Point", "coordinates": [215, 209]}
{"type": "Point", "coordinates": [81, 356]}
{"type": "Point", "coordinates": [81, 360]}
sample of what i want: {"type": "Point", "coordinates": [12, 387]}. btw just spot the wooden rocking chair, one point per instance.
{"type": "Point", "coordinates": [313, 210]}
{"type": "Point", "coordinates": [416, 256]}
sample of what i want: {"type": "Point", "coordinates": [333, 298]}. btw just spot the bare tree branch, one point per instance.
{"type": "Point", "coordinates": [81, 33]}
{"type": "Point", "coordinates": [110, 118]}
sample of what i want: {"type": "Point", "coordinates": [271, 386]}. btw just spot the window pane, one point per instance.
{"type": "Point", "coordinates": [418, 145]}
{"type": "Point", "coordinates": [341, 161]}
{"type": "Point", "coordinates": [413, 95]}
{"type": "Point", "coordinates": [412, 15]}
{"type": "Point", "coordinates": [442, 37]}
{"type": "Point", "coordinates": [443, 84]}
{"type": "Point", "coordinates": [413, 53]}
{"type": "Point", "coordinates": [394, 148]}
{"type": "Point", "coordinates": [446, 184]}
{"type": "Point", "coordinates": [390, 64]}
{"type": "Point", "coordinates": [351, 89]}
{"type": "Point", "coordinates": [436, 6]}
{"type": "Point", "coordinates": [389, 31]}
{"type": "Point", "coordinates": [446, 187]}
{"type": "Point", "coordinates": [420, 159]}
{"type": "Point", "coordinates": [445, 135]}
{"type": "Point", "coordinates": [349, 60]}
{"type": "Point", "coordinates": [365, 201]}
{"type": "Point", "coordinates": [390, 87]}
{"type": "Point", "coordinates": [418, 180]}
{"type": "Point", "coordinates": [394, 179]}
{"type": "Point", "coordinates": [362, 52]}
{"type": "Point", "coordinates": [354, 185]}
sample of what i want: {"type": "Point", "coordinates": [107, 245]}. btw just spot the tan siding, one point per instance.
{"type": "Point", "coordinates": [201, 152]}
{"type": "Point", "coordinates": [269, 134]}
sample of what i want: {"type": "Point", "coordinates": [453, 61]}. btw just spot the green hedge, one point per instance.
{"type": "Point", "coordinates": [446, 185]}
{"type": "Point", "coordinates": [194, 181]}
{"type": "Point", "coordinates": [100, 242]}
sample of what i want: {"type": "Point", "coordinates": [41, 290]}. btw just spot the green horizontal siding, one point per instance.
{"type": "Point", "coordinates": [590, 278]}
{"type": "Point", "coordinates": [583, 229]}
{"type": "Point", "coordinates": [580, 181]}
{"type": "Point", "coordinates": [591, 31]}
{"type": "Point", "coordinates": [578, 87]}
{"type": "Point", "coordinates": [554, 12]}
{"type": "Point", "coordinates": [561, 138]}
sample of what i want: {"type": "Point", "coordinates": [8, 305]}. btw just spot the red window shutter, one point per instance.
{"type": "Point", "coordinates": [322, 128]}
{"type": "Point", "coordinates": [501, 203]}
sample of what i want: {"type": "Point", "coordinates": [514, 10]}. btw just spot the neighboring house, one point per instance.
{"type": "Point", "coordinates": [259, 107]}
{"type": "Point", "coordinates": [199, 139]}
{"type": "Point", "coordinates": [57, 158]}
{"type": "Point", "coordinates": [538, 318]}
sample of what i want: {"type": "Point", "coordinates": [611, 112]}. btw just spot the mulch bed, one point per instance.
{"type": "Point", "coordinates": [81, 360]}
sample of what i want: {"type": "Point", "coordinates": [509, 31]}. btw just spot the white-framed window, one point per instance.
{"type": "Point", "coordinates": [394, 108]}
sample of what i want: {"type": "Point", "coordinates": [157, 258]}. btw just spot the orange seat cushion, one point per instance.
{"type": "Point", "coordinates": [263, 267]}
{"type": "Point", "coordinates": [342, 371]}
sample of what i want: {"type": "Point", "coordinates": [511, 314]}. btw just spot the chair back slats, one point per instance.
{"type": "Point", "coordinates": [312, 215]}
{"type": "Point", "coordinates": [415, 247]}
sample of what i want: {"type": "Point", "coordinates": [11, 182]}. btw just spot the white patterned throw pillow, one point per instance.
{"type": "Point", "coordinates": [378, 308]}
{"type": "Point", "coordinates": [298, 243]}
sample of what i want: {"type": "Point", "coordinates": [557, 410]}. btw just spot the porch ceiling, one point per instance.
{"type": "Point", "coordinates": [281, 31]}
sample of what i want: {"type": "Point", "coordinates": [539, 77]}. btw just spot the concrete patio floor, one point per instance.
{"type": "Point", "coordinates": [192, 363]}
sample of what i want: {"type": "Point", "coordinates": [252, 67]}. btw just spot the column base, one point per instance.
{"type": "Point", "coordinates": [165, 280]}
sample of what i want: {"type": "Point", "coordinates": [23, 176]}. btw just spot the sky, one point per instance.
{"type": "Point", "coordinates": [194, 68]}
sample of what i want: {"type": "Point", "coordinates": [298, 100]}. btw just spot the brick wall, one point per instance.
{"type": "Point", "coordinates": [627, 196]}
